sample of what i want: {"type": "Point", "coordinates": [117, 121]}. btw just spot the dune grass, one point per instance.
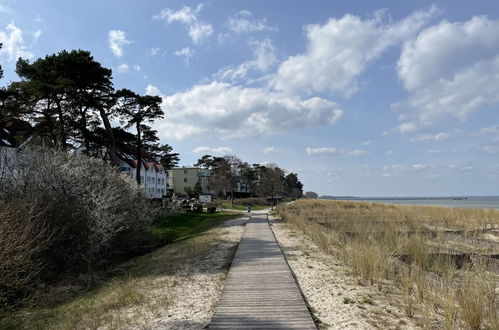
{"type": "Point", "coordinates": [438, 257]}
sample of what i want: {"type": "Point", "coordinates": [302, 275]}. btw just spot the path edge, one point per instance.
{"type": "Point", "coordinates": [309, 308]}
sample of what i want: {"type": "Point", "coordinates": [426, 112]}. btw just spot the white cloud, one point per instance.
{"type": "Point", "coordinates": [419, 167]}
{"type": "Point", "coordinates": [398, 168]}
{"type": "Point", "coordinates": [186, 53]}
{"type": "Point", "coordinates": [123, 68]}
{"type": "Point", "coordinates": [432, 55]}
{"type": "Point", "coordinates": [153, 90]}
{"type": "Point", "coordinates": [469, 90]}
{"type": "Point", "coordinates": [217, 150]}
{"type": "Point", "coordinates": [356, 152]}
{"type": "Point", "coordinates": [491, 149]}
{"type": "Point", "coordinates": [188, 16]}
{"type": "Point", "coordinates": [154, 51]}
{"type": "Point", "coordinates": [37, 34]}
{"type": "Point", "coordinates": [451, 70]}
{"type": "Point", "coordinates": [263, 59]}
{"type": "Point", "coordinates": [117, 40]}
{"type": "Point", "coordinates": [268, 150]}
{"type": "Point", "coordinates": [388, 152]}
{"type": "Point", "coordinates": [406, 128]}
{"type": "Point", "coordinates": [487, 130]}
{"type": "Point", "coordinates": [137, 67]}
{"type": "Point", "coordinates": [328, 151]}
{"type": "Point", "coordinates": [429, 137]}
{"type": "Point", "coordinates": [243, 22]}
{"type": "Point", "coordinates": [13, 43]}
{"type": "Point", "coordinates": [226, 111]}
{"type": "Point", "coordinates": [338, 51]}
{"type": "Point", "coordinates": [322, 151]}
{"type": "Point", "coordinates": [367, 143]}
{"type": "Point", "coordinates": [395, 168]}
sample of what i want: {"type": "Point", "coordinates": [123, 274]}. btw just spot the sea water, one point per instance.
{"type": "Point", "coordinates": [462, 201]}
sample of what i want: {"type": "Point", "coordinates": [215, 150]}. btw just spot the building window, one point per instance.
{"type": "Point", "coordinates": [185, 171]}
{"type": "Point", "coordinates": [185, 179]}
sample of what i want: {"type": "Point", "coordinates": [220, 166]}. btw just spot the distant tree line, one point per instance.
{"type": "Point", "coordinates": [268, 181]}
{"type": "Point", "coordinates": [70, 101]}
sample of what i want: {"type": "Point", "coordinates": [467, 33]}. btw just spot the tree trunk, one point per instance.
{"type": "Point", "coordinates": [112, 142]}
{"type": "Point", "coordinates": [84, 132]}
{"type": "Point", "coordinates": [62, 127]}
{"type": "Point", "coordinates": [139, 156]}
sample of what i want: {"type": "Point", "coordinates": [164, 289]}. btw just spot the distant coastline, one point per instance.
{"type": "Point", "coordinates": [447, 201]}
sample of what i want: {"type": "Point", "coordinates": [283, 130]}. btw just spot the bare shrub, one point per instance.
{"type": "Point", "coordinates": [23, 239]}
{"type": "Point", "coordinates": [69, 214]}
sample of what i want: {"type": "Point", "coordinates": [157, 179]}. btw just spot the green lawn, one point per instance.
{"type": "Point", "coordinates": [172, 228]}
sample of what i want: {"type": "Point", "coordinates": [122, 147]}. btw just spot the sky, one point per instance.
{"type": "Point", "coordinates": [360, 98]}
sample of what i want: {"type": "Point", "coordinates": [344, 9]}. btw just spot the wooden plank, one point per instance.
{"type": "Point", "coordinates": [260, 292]}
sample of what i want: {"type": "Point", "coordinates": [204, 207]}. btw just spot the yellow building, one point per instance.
{"type": "Point", "coordinates": [187, 176]}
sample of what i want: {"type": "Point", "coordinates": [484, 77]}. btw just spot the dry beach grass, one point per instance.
{"type": "Point", "coordinates": [174, 287]}
{"type": "Point", "coordinates": [438, 263]}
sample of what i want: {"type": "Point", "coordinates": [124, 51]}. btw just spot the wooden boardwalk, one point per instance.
{"type": "Point", "coordinates": [260, 291]}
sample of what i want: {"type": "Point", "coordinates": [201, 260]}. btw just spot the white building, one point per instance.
{"type": "Point", "coordinates": [153, 176]}
{"type": "Point", "coordinates": [14, 134]}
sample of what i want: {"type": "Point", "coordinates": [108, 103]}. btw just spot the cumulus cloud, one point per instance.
{"type": "Point", "coordinates": [117, 40]}
{"type": "Point", "coordinates": [328, 151]}
{"type": "Point", "coordinates": [432, 55]}
{"type": "Point", "coordinates": [153, 90]}
{"type": "Point", "coordinates": [186, 53]}
{"type": "Point", "coordinates": [243, 22]}
{"type": "Point", "coordinates": [268, 150]}
{"type": "Point", "coordinates": [226, 111]}
{"type": "Point", "coordinates": [367, 143]}
{"type": "Point", "coordinates": [13, 43]}
{"type": "Point", "coordinates": [406, 128]}
{"type": "Point", "coordinates": [338, 51]}
{"type": "Point", "coordinates": [263, 59]}
{"type": "Point", "coordinates": [207, 150]}
{"type": "Point", "coordinates": [198, 31]}
{"type": "Point", "coordinates": [444, 86]}
{"type": "Point", "coordinates": [123, 68]}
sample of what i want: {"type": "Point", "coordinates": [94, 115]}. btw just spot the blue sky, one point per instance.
{"type": "Point", "coordinates": [365, 98]}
